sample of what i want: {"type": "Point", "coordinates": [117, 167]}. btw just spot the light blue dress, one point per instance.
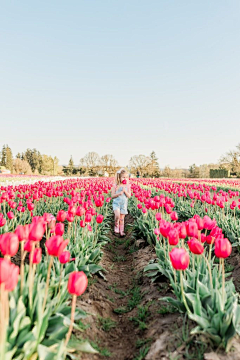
{"type": "Point", "coordinates": [121, 202]}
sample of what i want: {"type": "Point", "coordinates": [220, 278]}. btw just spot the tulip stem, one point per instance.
{"type": "Point", "coordinates": [60, 279]}
{"type": "Point", "coordinates": [31, 276]}
{"type": "Point", "coordinates": [183, 295]}
{"type": "Point", "coordinates": [3, 320]}
{"type": "Point", "coordinates": [47, 283]}
{"type": "Point", "coordinates": [209, 270]}
{"type": "Point", "coordinates": [22, 266]}
{"type": "Point", "coordinates": [210, 252]}
{"type": "Point", "coordinates": [223, 282]}
{"type": "Point", "coordinates": [74, 300]}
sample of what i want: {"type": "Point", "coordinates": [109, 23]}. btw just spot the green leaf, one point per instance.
{"type": "Point", "coordinates": [81, 346]}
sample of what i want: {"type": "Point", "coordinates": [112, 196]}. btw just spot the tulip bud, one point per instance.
{"type": "Point", "coordinates": [61, 216]}
{"type": "Point", "coordinates": [195, 246]}
{"type": "Point", "coordinates": [8, 274]}
{"type": "Point", "coordinates": [22, 231]}
{"type": "Point", "coordinates": [223, 248]}
{"type": "Point", "coordinates": [179, 258]}
{"type": "Point", "coordinates": [9, 244]}
{"type": "Point", "coordinates": [174, 216]}
{"type": "Point", "coordinates": [10, 215]}
{"type": "Point", "coordinates": [64, 257]}
{"type": "Point", "coordinates": [77, 283]}
{"type": "Point", "coordinates": [37, 231]}
{"type": "Point", "coordinates": [55, 245]}
{"type": "Point", "coordinates": [59, 229]}
{"type": "Point", "coordinates": [99, 219]}
{"type": "Point", "coordinates": [173, 237]}
{"type": "Point", "coordinates": [37, 256]}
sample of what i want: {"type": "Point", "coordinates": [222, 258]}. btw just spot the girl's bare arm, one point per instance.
{"type": "Point", "coordinates": [127, 191]}
{"type": "Point", "coordinates": [114, 195]}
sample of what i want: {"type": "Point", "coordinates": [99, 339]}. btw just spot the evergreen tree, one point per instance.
{"type": "Point", "coordinates": [193, 171]}
{"type": "Point", "coordinates": [155, 170]}
{"type": "Point", "coordinates": [34, 159]}
{"type": "Point", "coordinates": [3, 156]}
{"type": "Point", "coordinates": [9, 158]}
{"type": "Point", "coordinates": [70, 166]}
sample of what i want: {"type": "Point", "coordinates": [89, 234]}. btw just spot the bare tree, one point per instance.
{"type": "Point", "coordinates": [21, 167]}
{"type": "Point", "coordinates": [108, 163]}
{"type": "Point", "coordinates": [140, 163]}
{"type": "Point", "coordinates": [91, 162]}
{"type": "Point", "coordinates": [231, 161]}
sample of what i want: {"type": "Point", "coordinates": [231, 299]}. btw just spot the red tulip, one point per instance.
{"type": "Point", "coordinates": [210, 239]}
{"type": "Point", "coordinates": [64, 257]}
{"type": "Point", "coordinates": [182, 231]}
{"type": "Point", "coordinates": [173, 237]}
{"type": "Point", "coordinates": [8, 274]}
{"type": "Point", "coordinates": [22, 231]}
{"type": "Point", "coordinates": [2, 222]}
{"type": "Point", "coordinates": [70, 217]}
{"type": "Point", "coordinates": [10, 215]}
{"type": "Point", "coordinates": [82, 223]}
{"type": "Point", "coordinates": [37, 256]}
{"type": "Point", "coordinates": [77, 283]}
{"type": "Point", "coordinates": [223, 248]}
{"type": "Point", "coordinates": [80, 211]}
{"type": "Point", "coordinates": [158, 216]}
{"type": "Point", "coordinates": [88, 218]}
{"type": "Point", "coordinates": [4, 270]}
{"type": "Point", "coordinates": [61, 216]}
{"type": "Point", "coordinates": [140, 206]}
{"type": "Point", "coordinates": [30, 206]}
{"type": "Point", "coordinates": [99, 219]}
{"type": "Point", "coordinates": [195, 246]}
{"type": "Point", "coordinates": [28, 246]}
{"type": "Point", "coordinates": [55, 245]}
{"type": "Point", "coordinates": [199, 222]}
{"type": "Point", "coordinates": [192, 229]}
{"type": "Point", "coordinates": [208, 223]}
{"type": "Point", "coordinates": [165, 227]}
{"type": "Point", "coordinates": [59, 229]}
{"type": "Point", "coordinates": [179, 258]}
{"type": "Point", "coordinates": [174, 216]}
{"type": "Point", "coordinates": [37, 231]}
{"type": "Point", "coordinates": [9, 244]}
{"type": "Point", "coordinates": [203, 238]}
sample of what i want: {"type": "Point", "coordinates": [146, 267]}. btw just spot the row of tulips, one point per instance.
{"type": "Point", "coordinates": [160, 195]}
{"type": "Point", "coordinates": [186, 253]}
{"type": "Point", "coordinates": [63, 247]}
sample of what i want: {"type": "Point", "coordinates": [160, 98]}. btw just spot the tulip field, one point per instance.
{"type": "Point", "coordinates": [72, 289]}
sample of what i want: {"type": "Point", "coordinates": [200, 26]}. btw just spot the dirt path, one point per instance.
{"type": "Point", "coordinates": [126, 319]}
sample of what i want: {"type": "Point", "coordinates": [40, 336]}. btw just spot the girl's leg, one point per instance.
{"type": "Point", "coordinates": [122, 216]}
{"type": "Point", "coordinates": [117, 218]}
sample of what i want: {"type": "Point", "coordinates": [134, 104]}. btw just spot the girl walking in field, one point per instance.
{"type": "Point", "coordinates": [121, 191]}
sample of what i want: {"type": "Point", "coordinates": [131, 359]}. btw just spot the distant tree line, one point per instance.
{"type": "Point", "coordinates": [92, 164]}
{"type": "Point", "coordinates": [29, 162]}
{"type": "Point", "coordinates": [32, 161]}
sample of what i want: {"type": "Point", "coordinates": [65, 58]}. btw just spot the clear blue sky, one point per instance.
{"type": "Point", "coordinates": [121, 77]}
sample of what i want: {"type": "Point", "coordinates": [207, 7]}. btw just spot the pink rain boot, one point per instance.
{"type": "Point", "coordinates": [116, 228]}
{"type": "Point", "coordinates": [122, 229]}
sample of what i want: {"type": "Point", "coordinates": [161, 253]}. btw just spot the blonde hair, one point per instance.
{"type": "Point", "coordinates": [118, 176]}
